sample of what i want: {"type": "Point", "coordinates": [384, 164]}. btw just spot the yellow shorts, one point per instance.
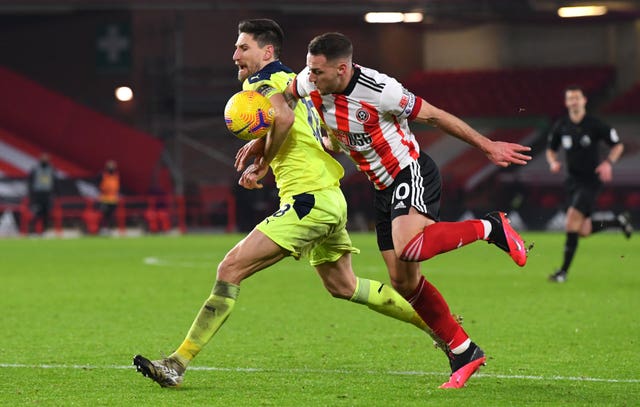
{"type": "Point", "coordinates": [311, 224]}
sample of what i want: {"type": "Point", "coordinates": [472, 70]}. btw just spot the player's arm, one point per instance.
{"type": "Point", "coordinates": [553, 143]}
{"type": "Point", "coordinates": [282, 122]}
{"type": "Point", "coordinates": [615, 153]}
{"type": "Point", "coordinates": [254, 148]}
{"type": "Point", "coordinates": [605, 169]}
{"type": "Point", "coordinates": [552, 160]}
{"type": "Point", "coordinates": [499, 152]}
{"type": "Point", "coordinates": [610, 136]}
{"type": "Point", "coordinates": [292, 95]}
{"type": "Point", "coordinates": [257, 148]}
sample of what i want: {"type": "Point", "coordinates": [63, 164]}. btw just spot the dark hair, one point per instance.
{"type": "Point", "coordinates": [571, 88]}
{"type": "Point", "coordinates": [331, 45]}
{"type": "Point", "coordinates": [265, 32]}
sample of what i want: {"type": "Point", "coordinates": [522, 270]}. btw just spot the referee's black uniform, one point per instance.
{"type": "Point", "coordinates": [581, 145]}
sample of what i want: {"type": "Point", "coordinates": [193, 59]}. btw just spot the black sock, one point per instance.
{"type": "Point", "coordinates": [570, 246]}
{"type": "Point", "coordinates": [600, 225]}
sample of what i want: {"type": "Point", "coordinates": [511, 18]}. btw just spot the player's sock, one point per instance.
{"type": "Point", "coordinates": [384, 299]}
{"type": "Point", "coordinates": [442, 237]}
{"type": "Point", "coordinates": [433, 309]}
{"type": "Point", "coordinates": [212, 315]}
{"type": "Point", "coordinates": [570, 246]}
{"type": "Point", "coordinates": [602, 224]}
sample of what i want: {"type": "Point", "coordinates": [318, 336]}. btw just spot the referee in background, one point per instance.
{"type": "Point", "coordinates": [579, 135]}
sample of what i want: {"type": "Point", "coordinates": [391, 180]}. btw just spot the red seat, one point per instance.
{"type": "Point", "coordinates": [549, 201]}
{"type": "Point", "coordinates": [632, 201]}
{"type": "Point", "coordinates": [606, 200]}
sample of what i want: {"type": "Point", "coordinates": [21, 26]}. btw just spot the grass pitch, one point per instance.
{"type": "Point", "coordinates": [74, 312]}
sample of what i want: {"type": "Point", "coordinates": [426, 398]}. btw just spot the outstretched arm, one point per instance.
{"type": "Point", "coordinates": [499, 152]}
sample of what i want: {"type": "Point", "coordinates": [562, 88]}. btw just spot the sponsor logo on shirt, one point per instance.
{"type": "Point", "coordinates": [567, 142]}
{"type": "Point", "coordinates": [353, 141]}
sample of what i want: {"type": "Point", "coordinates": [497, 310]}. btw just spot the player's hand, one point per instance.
{"type": "Point", "coordinates": [250, 178]}
{"type": "Point", "coordinates": [254, 148]}
{"type": "Point", "coordinates": [504, 154]}
{"type": "Point", "coordinates": [555, 166]}
{"type": "Point", "coordinates": [605, 172]}
{"type": "Point", "coordinates": [326, 142]}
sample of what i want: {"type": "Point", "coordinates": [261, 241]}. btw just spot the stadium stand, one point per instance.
{"type": "Point", "coordinates": [18, 156]}
{"type": "Point", "coordinates": [56, 124]}
{"type": "Point", "coordinates": [155, 214]}
{"type": "Point", "coordinates": [471, 167]}
{"type": "Point", "coordinates": [508, 92]}
{"type": "Point", "coordinates": [627, 103]}
{"type": "Point", "coordinates": [34, 120]}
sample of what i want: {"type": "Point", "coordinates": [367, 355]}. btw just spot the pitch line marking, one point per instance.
{"type": "Point", "coordinates": [158, 262]}
{"type": "Point", "coordinates": [325, 371]}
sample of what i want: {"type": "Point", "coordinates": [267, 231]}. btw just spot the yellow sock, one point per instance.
{"type": "Point", "coordinates": [384, 299]}
{"type": "Point", "coordinates": [212, 315]}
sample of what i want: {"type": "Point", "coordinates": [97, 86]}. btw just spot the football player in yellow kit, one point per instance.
{"type": "Point", "coordinates": [311, 219]}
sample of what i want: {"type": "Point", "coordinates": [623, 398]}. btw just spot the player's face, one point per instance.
{"type": "Point", "coordinates": [575, 101]}
{"type": "Point", "coordinates": [326, 75]}
{"type": "Point", "coordinates": [249, 57]}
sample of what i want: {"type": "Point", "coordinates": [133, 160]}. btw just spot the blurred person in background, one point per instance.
{"type": "Point", "coordinates": [109, 185]}
{"type": "Point", "coordinates": [42, 187]}
{"type": "Point", "coordinates": [579, 134]}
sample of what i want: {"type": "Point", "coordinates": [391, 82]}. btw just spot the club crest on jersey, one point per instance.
{"type": "Point", "coordinates": [362, 115]}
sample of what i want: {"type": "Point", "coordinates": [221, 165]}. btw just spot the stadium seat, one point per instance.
{"type": "Point", "coordinates": [506, 92]}
{"type": "Point", "coordinates": [627, 103]}
{"type": "Point", "coordinates": [632, 201]}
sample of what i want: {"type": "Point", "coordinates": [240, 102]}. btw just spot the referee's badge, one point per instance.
{"type": "Point", "coordinates": [585, 140]}
{"type": "Point", "coordinates": [567, 142]}
{"type": "Point", "coordinates": [613, 134]}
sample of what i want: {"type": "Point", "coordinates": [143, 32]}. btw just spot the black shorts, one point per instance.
{"type": "Point", "coordinates": [582, 194]}
{"type": "Point", "coordinates": [417, 185]}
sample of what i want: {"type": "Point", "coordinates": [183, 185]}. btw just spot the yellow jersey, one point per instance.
{"type": "Point", "coordinates": [301, 165]}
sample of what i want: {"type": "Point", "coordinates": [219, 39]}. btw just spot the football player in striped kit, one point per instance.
{"type": "Point", "coordinates": [367, 114]}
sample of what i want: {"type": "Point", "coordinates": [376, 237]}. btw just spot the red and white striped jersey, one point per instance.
{"type": "Point", "coordinates": [369, 120]}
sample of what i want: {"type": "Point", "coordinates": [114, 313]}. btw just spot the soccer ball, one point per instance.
{"type": "Point", "coordinates": [248, 115]}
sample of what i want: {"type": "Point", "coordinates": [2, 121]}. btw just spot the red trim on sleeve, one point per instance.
{"type": "Point", "coordinates": [416, 108]}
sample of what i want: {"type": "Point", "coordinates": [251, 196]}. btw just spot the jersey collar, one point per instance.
{"type": "Point", "coordinates": [353, 81]}
{"type": "Point", "coordinates": [268, 70]}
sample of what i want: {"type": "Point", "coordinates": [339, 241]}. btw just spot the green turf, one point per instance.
{"type": "Point", "coordinates": [85, 307]}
